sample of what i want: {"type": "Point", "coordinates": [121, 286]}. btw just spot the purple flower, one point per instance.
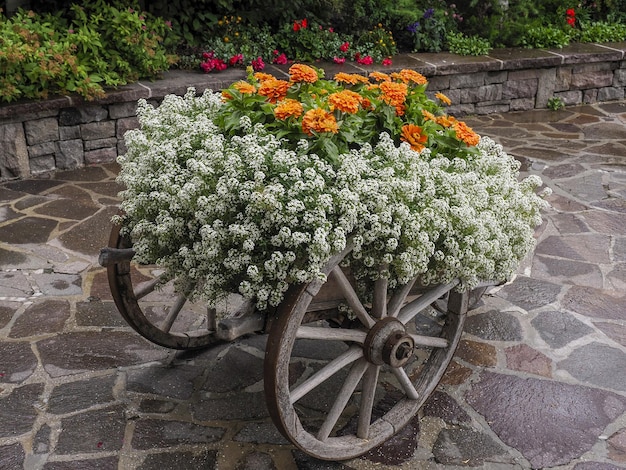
{"type": "Point", "coordinates": [412, 28]}
{"type": "Point", "coordinates": [429, 13]}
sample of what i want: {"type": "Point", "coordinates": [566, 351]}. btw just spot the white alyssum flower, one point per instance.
{"type": "Point", "coordinates": [249, 215]}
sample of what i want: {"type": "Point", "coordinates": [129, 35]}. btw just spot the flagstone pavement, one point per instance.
{"type": "Point", "coordinates": [539, 379]}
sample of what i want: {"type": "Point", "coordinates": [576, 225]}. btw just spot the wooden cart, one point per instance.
{"type": "Point", "coordinates": [382, 362]}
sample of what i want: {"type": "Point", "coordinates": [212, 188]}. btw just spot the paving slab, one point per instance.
{"type": "Point", "coordinates": [537, 382]}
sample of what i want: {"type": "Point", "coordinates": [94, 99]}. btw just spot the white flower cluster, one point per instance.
{"type": "Point", "coordinates": [250, 215]}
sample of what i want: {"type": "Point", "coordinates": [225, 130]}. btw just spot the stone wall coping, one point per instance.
{"type": "Point", "coordinates": [429, 64]}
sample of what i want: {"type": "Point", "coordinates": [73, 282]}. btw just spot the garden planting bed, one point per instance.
{"type": "Point", "coordinates": [67, 132]}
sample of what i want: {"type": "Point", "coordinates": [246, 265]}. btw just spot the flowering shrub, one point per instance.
{"type": "Point", "coordinates": [256, 188]}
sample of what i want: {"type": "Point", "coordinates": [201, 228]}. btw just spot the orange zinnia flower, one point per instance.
{"type": "Point", "coordinates": [445, 121]}
{"type": "Point", "coordinates": [429, 116]}
{"type": "Point", "coordinates": [393, 93]}
{"type": "Point", "coordinates": [346, 101]}
{"type": "Point", "coordinates": [226, 96]}
{"type": "Point", "coordinates": [288, 108]}
{"type": "Point", "coordinates": [244, 88]}
{"type": "Point", "coordinates": [302, 73]}
{"type": "Point", "coordinates": [275, 90]}
{"type": "Point", "coordinates": [410, 76]}
{"type": "Point", "coordinates": [319, 120]}
{"type": "Point", "coordinates": [260, 76]}
{"type": "Point", "coordinates": [466, 134]}
{"type": "Point", "coordinates": [443, 98]}
{"type": "Point", "coordinates": [415, 136]}
{"type": "Point", "coordinates": [350, 78]}
{"type": "Point", "coordinates": [380, 77]}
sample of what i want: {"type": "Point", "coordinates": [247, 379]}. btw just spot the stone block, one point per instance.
{"type": "Point", "coordinates": [520, 88]}
{"type": "Point", "coordinates": [619, 78]}
{"type": "Point", "coordinates": [468, 81]}
{"type": "Point", "coordinates": [570, 97]}
{"type": "Point", "coordinates": [591, 79]}
{"type": "Point", "coordinates": [611, 93]}
{"type": "Point", "coordinates": [69, 117]}
{"type": "Point", "coordinates": [462, 109]}
{"type": "Point", "coordinates": [69, 154]}
{"type": "Point", "coordinates": [69, 132]}
{"type": "Point", "coordinates": [105, 155]}
{"type": "Point", "coordinates": [481, 94]}
{"type": "Point", "coordinates": [42, 164]}
{"type": "Point", "coordinates": [13, 151]}
{"type": "Point", "coordinates": [93, 114]}
{"type": "Point", "coordinates": [496, 77]}
{"type": "Point", "coordinates": [126, 124]}
{"type": "Point", "coordinates": [439, 83]}
{"type": "Point", "coordinates": [100, 143]}
{"type": "Point", "coordinates": [527, 74]}
{"type": "Point", "coordinates": [39, 150]}
{"type": "Point", "coordinates": [563, 78]}
{"type": "Point", "coordinates": [522, 104]}
{"type": "Point", "coordinates": [97, 130]}
{"type": "Point", "coordinates": [41, 130]}
{"type": "Point", "coordinates": [122, 110]}
{"type": "Point", "coordinates": [492, 108]}
{"type": "Point", "coordinates": [546, 84]}
{"type": "Point", "coordinates": [590, 96]}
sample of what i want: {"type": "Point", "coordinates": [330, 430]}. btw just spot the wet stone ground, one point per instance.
{"type": "Point", "coordinates": [539, 379]}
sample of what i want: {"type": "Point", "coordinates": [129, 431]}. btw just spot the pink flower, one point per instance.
{"type": "Point", "coordinates": [220, 65]}
{"type": "Point", "coordinates": [207, 55]}
{"type": "Point", "coordinates": [168, 23]}
{"type": "Point", "coordinates": [281, 59]}
{"type": "Point", "coordinates": [387, 62]}
{"type": "Point", "coordinates": [339, 60]}
{"type": "Point", "coordinates": [258, 64]}
{"type": "Point", "coordinates": [367, 60]}
{"type": "Point", "coordinates": [344, 47]}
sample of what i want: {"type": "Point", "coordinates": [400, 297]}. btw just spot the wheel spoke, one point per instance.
{"type": "Point", "coordinates": [398, 299]}
{"type": "Point", "coordinates": [146, 288]}
{"type": "Point", "coordinates": [405, 381]}
{"type": "Point", "coordinates": [379, 303]}
{"type": "Point", "coordinates": [172, 315]}
{"type": "Point", "coordinates": [352, 298]}
{"type": "Point", "coordinates": [334, 366]}
{"type": "Point", "coordinates": [430, 341]}
{"type": "Point", "coordinates": [370, 381]}
{"type": "Point", "coordinates": [331, 334]}
{"type": "Point", "coordinates": [347, 389]}
{"type": "Point", "coordinates": [410, 310]}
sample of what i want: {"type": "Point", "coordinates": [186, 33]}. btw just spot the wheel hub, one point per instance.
{"type": "Point", "coordinates": [388, 343]}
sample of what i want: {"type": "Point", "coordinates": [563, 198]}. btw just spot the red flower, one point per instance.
{"type": "Point", "coordinates": [304, 23]}
{"type": "Point", "coordinates": [339, 60]}
{"type": "Point", "coordinates": [207, 55]}
{"type": "Point", "coordinates": [258, 64]}
{"type": "Point", "coordinates": [571, 21]}
{"type": "Point", "coordinates": [387, 62]}
{"type": "Point", "coordinates": [236, 59]}
{"type": "Point", "coordinates": [344, 47]}
{"type": "Point", "coordinates": [570, 12]}
{"type": "Point", "coordinates": [281, 59]}
{"type": "Point", "coordinates": [367, 60]}
{"type": "Point", "coordinates": [298, 25]}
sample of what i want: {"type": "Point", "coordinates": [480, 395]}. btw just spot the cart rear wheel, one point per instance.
{"type": "Point", "coordinates": [149, 303]}
{"type": "Point", "coordinates": [337, 389]}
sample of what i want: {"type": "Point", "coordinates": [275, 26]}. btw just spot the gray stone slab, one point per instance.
{"type": "Point", "coordinates": [615, 331]}
{"type": "Point", "coordinates": [442, 405]}
{"type": "Point", "coordinates": [17, 413]}
{"type": "Point", "coordinates": [103, 463]}
{"type": "Point", "coordinates": [7, 310]}
{"type": "Point", "coordinates": [172, 382]}
{"type": "Point", "coordinates": [15, 284]}
{"type": "Point", "coordinates": [13, 259]}
{"type": "Point", "coordinates": [467, 447]}
{"type": "Point", "coordinates": [529, 293]}
{"type": "Point", "coordinates": [44, 317]}
{"type": "Point", "coordinates": [27, 230]}
{"type": "Point", "coordinates": [593, 248]}
{"type": "Point", "coordinates": [18, 362]}
{"type": "Point", "coordinates": [597, 364]}
{"type": "Point", "coordinates": [559, 328]}
{"type": "Point", "coordinates": [11, 456]}
{"type": "Point", "coordinates": [550, 423]}
{"type": "Point", "coordinates": [98, 314]}
{"type": "Point", "coordinates": [154, 434]}
{"type": "Point", "coordinates": [494, 325]}
{"type": "Point", "coordinates": [256, 461]}
{"type": "Point", "coordinates": [235, 371]}
{"type": "Point", "coordinates": [82, 394]}
{"type": "Point", "coordinates": [72, 353]}
{"type": "Point", "coordinates": [261, 433]}
{"type": "Point", "coordinates": [57, 284]}
{"type": "Point", "coordinates": [92, 431]}
{"type": "Point", "coordinates": [595, 303]}
{"type": "Point", "coordinates": [241, 406]}
{"type": "Point", "coordinates": [180, 460]}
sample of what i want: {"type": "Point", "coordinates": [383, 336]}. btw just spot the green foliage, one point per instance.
{"type": "Point", "coordinates": [96, 44]}
{"type": "Point", "coordinates": [377, 43]}
{"type": "Point", "coordinates": [432, 28]}
{"type": "Point", "coordinates": [233, 35]}
{"type": "Point", "coordinates": [459, 43]}
{"type": "Point", "coordinates": [601, 31]}
{"type": "Point", "coordinates": [555, 103]}
{"type": "Point", "coordinates": [546, 37]}
{"type": "Point", "coordinates": [309, 41]}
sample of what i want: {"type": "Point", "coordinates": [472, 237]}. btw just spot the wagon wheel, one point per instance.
{"type": "Point", "coordinates": [338, 392]}
{"type": "Point", "coordinates": [149, 303]}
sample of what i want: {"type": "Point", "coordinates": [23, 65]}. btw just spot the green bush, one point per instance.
{"type": "Point", "coordinates": [601, 31]}
{"type": "Point", "coordinates": [95, 45]}
{"type": "Point", "coordinates": [459, 43]}
{"type": "Point", "coordinates": [546, 37]}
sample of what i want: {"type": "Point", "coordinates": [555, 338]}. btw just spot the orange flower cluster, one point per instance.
{"type": "Point", "coordinates": [350, 78]}
{"type": "Point", "coordinates": [380, 77]}
{"type": "Point", "coordinates": [244, 88]}
{"type": "Point", "coordinates": [302, 73]}
{"type": "Point", "coordinates": [394, 93]}
{"type": "Point", "coordinates": [275, 90]}
{"type": "Point", "coordinates": [415, 136]}
{"type": "Point", "coordinates": [288, 108]}
{"type": "Point", "coordinates": [466, 134]}
{"type": "Point", "coordinates": [410, 76]}
{"type": "Point", "coordinates": [318, 120]}
{"type": "Point", "coordinates": [346, 101]}
{"type": "Point", "coordinates": [443, 98]}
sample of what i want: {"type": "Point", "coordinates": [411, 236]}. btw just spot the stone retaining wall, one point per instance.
{"type": "Point", "coordinates": [66, 132]}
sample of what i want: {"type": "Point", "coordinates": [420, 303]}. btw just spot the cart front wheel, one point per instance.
{"type": "Point", "coordinates": [339, 387]}
{"type": "Point", "coordinates": [151, 306]}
